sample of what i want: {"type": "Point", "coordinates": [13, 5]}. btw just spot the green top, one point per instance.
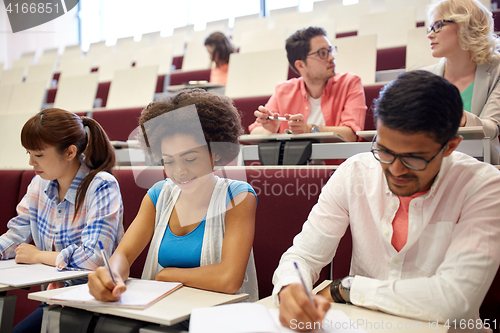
{"type": "Point", "coordinates": [467, 97]}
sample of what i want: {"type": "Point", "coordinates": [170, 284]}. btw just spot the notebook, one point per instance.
{"type": "Point", "coordinates": [139, 294]}
{"type": "Point", "coordinates": [18, 275]}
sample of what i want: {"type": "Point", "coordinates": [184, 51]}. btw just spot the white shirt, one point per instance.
{"type": "Point", "coordinates": [453, 247]}
{"type": "Point", "coordinates": [315, 115]}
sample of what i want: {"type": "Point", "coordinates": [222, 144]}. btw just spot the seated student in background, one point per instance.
{"type": "Point", "coordinates": [424, 219]}
{"type": "Point", "coordinates": [462, 35]}
{"type": "Point", "coordinates": [71, 203]}
{"type": "Point", "coordinates": [201, 227]}
{"type": "Point", "coordinates": [320, 100]}
{"type": "Point", "coordinates": [220, 48]}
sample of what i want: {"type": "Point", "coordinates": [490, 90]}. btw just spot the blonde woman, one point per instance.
{"type": "Point", "coordinates": [462, 34]}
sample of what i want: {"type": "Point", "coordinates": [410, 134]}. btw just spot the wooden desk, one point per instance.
{"type": "Point", "coordinates": [374, 321]}
{"type": "Point", "coordinates": [33, 275]}
{"type": "Point", "coordinates": [170, 310]}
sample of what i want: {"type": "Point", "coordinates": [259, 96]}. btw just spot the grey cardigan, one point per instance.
{"type": "Point", "coordinates": [485, 109]}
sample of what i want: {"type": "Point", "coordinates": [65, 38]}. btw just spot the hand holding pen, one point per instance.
{"type": "Point", "coordinates": [268, 119]}
{"type": "Point", "coordinates": [103, 284]}
{"type": "Point", "coordinates": [297, 305]}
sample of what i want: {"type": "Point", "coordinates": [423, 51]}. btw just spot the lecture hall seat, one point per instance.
{"type": "Point", "coordinates": [11, 182]}
{"type": "Point", "coordinates": [177, 78]}
{"type": "Point", "coordinates": [120, 123]}
{"type": "Point", "coordinates": [247, 106]}
{"type": "Point", "coordinates": [391, 58]}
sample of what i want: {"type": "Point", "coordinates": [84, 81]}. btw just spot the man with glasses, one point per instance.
{"type": "Point", "coordinates": [424, 219]}
{"type": "Point", "coordinates": [320, 100]}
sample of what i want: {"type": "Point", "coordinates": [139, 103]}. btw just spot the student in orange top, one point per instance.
{"type": "Point", "coordinates": [219, 47]}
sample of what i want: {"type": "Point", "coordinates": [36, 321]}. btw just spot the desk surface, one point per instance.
{"type": "Point", "coordinates": [374, 321]}
{"type": "Point", "coordinates": [15, 276]}
{"type": "Point", "coordinates": [468, 133]}
{"type": "Point", "coordinates": [195, 84]}
{"type": "Point", "coordinates": [324, 137]}
{"type": "Point", "coordinates": [170, 310]}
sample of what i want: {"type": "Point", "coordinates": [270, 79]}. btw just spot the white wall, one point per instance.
{"type": "Point", "coordinates": [56, 33]}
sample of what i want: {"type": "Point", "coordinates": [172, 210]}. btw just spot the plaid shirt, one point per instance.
{"type": "Point", "coordinates": [50, 224]}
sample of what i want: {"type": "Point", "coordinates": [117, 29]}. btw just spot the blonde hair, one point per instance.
{"type": "Point", "coordinates": [475, 27]}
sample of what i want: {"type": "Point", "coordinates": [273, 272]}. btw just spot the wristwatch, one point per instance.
{"type": "Point", "coordinates": [314, 129]}
{"type": "Point", "coordinates": [345, 285]}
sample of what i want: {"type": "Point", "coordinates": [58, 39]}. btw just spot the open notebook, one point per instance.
{"type": "Point", "coordinates": [256, 318]}
{"type": "Point", "coordinates": [139, 294]}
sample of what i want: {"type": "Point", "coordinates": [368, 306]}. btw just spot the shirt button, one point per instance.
{"type": "Point", "coordinates": [59, 211]}
{"type": "Point", "coordinates": [362, 300]}
{"type": "Point", "coordinates": [393, 205]}
{"type": "Point", "coordinates": [57, 232]}
{"type": "Point", "coordinates": [400, 309]}
{"type": "Point", "coordinates": [386, 232]}
{"type": "Point", "coordinates": [395, 261]}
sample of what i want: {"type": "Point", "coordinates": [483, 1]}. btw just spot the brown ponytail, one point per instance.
{"type": "Point", "coordinates": [60, 129]}
{"type": "Point", "coordinates": [99, 156]}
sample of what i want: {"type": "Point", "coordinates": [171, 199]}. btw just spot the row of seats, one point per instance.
{"type": "Point", "coordinates": [379, 25]}
{"type": "Point", "coordinates": [79, 93]}
{"type": "Point", "coordinates": [275, 228]}
{"type": "Point", "coordinates": [358, 54]}
{"type": "Point", "coordinates": [120, 123]}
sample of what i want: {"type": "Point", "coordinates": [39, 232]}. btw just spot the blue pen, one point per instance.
{"type": "Point", "coordinates": [106, 261]}
{"type": "Point", "coordinates": [304, 285]}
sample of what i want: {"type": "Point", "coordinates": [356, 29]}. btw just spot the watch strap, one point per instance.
{"type": "Point", "coordinates": [335, 292]}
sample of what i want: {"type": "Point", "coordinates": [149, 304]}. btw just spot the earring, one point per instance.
{"type": "Point", "coordinates": [217, 158]}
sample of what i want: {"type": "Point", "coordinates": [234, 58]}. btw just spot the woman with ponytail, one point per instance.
{"type": "Point", "coordinates": [73, 201]}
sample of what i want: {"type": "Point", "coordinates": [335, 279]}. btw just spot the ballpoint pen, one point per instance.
{"type": "Point", "coordinates": [304, 285]}
{"type": "Point", "coordinates": [106, 261]}
{"type": "Point", "coordinates": [278, 118]}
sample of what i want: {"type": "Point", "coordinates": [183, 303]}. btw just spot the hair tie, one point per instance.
{"type": "Point", "coordinates": [87, 133]}
{"type": "Point", "coordinates": [41, 116]}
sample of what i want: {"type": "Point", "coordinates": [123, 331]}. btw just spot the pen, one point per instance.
{"type": "Point", "coordinates": [304, 285]}
{"type": "Point", "coordinates": [278, 118]}
{"type": "Point", "coordinates": [106, 261]}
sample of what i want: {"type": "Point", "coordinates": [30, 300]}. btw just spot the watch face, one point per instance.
{"type": "Point", "coordinates": [347, 282]}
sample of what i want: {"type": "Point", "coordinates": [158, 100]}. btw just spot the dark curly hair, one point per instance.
{"type": "Point", "coordinates": [220, 122]}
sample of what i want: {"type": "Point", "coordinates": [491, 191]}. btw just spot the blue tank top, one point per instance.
{"type": "Point", "coordinates": [185, 251]}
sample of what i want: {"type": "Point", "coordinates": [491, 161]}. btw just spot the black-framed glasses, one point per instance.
{"type": "Point", "coordinates": [324, 52]}
{"type": "Point", "coordinates": [411, 162]}
{"type": "Point", "coordinates": [438, 25]}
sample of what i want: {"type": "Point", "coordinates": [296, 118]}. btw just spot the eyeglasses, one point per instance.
{"type": "Point", "coordinates": [438, 25]}
{"type": "Point", "coordinates": [411, 162]}
{"type": "Point", "coordinates": [323, 53]}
